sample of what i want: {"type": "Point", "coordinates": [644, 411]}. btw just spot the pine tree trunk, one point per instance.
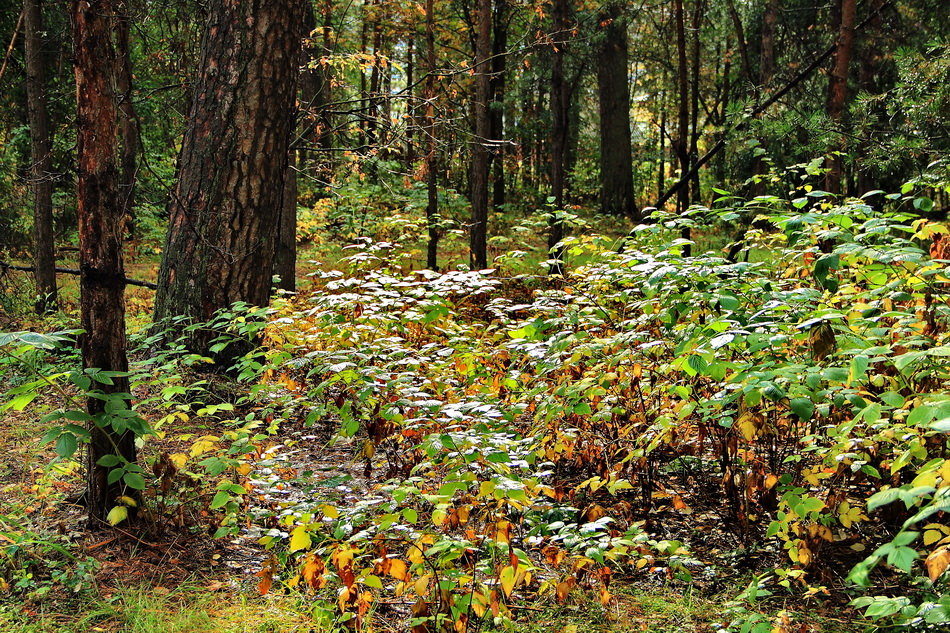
{"type": "Point", "coordinates": [129, 136]}
{"type": "Point", "coordinates": [44, 258]}
{"type": "Point", "coordinates": [838, 87]}
{"type": "Point", "coordinates": [100, 215]}
{"type": "Point", "coordinates": [480, 155]}
{"type": "Point", "coordinates": [224, 212]}
{"type": "Point", "coordinates": [616, 161]}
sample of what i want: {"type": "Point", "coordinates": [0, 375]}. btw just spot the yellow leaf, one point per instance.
{"type": "Point", "coordinates": [299, 538]}
{"type": "Point", "coordinates": [127, 501]}
{"type": "Point", "coordinates": [507, 579]}
{"type": "Point", "coordinates": [117, 515]}
{"type": "Point", "coordinates": [422, 585]}
{"type": "Point", "coordinates": [178, 459]}
{"type": "Point", "coordinates": [932, 536]}
{"type": "Point", "coordinates": [329, 511]}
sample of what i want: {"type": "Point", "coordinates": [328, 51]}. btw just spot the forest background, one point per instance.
{"type": "Point", "coordinates": [444, 315]}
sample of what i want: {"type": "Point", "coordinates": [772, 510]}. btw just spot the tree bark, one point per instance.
{"type": "Point", "coordinates": [41, 160]}
{"type": "Point", "coordinates": [838, 87]}
{"type": "Point", "coordinates": [129, 135]}
{"type": "Point", "coordinates": [431, 161]}
{"type": "Point", "coordinates": [224, 212]}
{"type": "Point", "coordinates": [560, 130]}
{"type": "Point", "coordinates": [767, 58]}
{"type": "Point", "coordinates": [480, 152]}
{"type": "Point", "coordinates": [100, 214]}
{"type": "Point", "coordinates": [616, 161]}
{"type": "Point", "coordinates": [497, 113]}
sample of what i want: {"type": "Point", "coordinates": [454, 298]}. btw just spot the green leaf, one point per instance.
{"type": "Point", "coordinates": [220, 499]}
{"type": "Point", "coordinates": [109, 461]}
{"type": "Point", "coordinates": [802, 407]}
{"type": "Point", "coordinates": [134, 481]}
{"type": "Point", "coordinates": [66, 445]}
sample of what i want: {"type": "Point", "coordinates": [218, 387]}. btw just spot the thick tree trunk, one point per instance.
{"type": "Point", "coordinates": [432, 148]}
{"type": "Point", "coordinates": [129, 135]}
{"type": "Point", "coordinates": [616, 161]}
{"type": "Point", "coordinates": [224, 212]}
{"type": "Point", "coordinates": [100, 214]}
{"type": "Point", "coordinates": [44, 259]}
{"type": "Point", "coordinates": [480, 152]}
{"type": "Point", "coordinates": [838, 87]}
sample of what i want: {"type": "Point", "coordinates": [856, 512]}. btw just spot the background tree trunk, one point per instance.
{"type": "Point", "coordinates": [480, 155]}
{"type": "Point", "coordinates": [224, 212]}
{"type": "Point", "coordinates": [41, 160]}
{"type": "Point", "coordinates": [102, 277]}
{"type": "Point", "coordinates": [129, 135]}
{"type": "Point", "coordinates": [560, 115]}
{"type": "Point", "coordinates": [616, 161]}
{"type": "Point", "coordinates": [838, 87]}
{"type": "Point", "coordinates": [432, 147]}
{"type": "Point", "coordinates": [497, 110]}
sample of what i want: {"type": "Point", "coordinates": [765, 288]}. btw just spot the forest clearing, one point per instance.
{"type": "Point", "coordinates": [493, 316]}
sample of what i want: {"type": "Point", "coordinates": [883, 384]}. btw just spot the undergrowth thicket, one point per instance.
{"type": "Point", "coordinates": [650, 415]}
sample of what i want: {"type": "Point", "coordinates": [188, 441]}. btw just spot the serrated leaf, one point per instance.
{"type": "Point", "coordinates": [66, 445]}
{"type": "Point", "coordinates": [134, 481]}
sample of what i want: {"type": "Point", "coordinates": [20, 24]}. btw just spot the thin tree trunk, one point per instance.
{"type": "Point", "coordinates": [616, 161]}
{"type": "Point", "coordinates": [740, 38]}
{"type": "Point", "coordinates": [560, 115]}
{"type": "Point", "coordinates": [41, 160]}
{"type": "Point", "coordinates": [410, 103]}
{"type": "Point", "coordinates": [285, 263]}
{"type": "Point", "coordinates": [497, 112]}
{"type": "Point", "coordinates": [696, 29]}
{"type": "Point", "coordinates": [432, 148]}
{"type": "Point", "coordinates": [100, 214]}
{"type": "Point", "coordinates": [480, 155]}
{"type": "Point", "coordinates": [838, 88]}
{"type": "Point", "coordinates": [224, 212]}
{"type": "Point", "coordinates": [767, 59]}
{"type": "Point", "coordinates": [129, 136]}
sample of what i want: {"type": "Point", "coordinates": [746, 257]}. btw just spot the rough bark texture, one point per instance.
{"type": "Point", "coordinates": [102, 277]}
{"type": "Point", "coordinates": [224, 211]}
{"type": "Point", "coordinates": [480, 152]}
{"type": "Point", "coordinates": [616, 161]}
{"type": "Point", "coordinates": [681, 143]}
{"type": "Point", "coordinates": [838, 86]}
{"type": "Point", "coordinates": [44, 258]}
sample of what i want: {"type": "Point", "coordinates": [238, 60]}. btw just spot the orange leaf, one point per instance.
{"type": "Point", "coordinates": [937, 562]}
{"type": "Point", "coordinates": [398, 569]}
